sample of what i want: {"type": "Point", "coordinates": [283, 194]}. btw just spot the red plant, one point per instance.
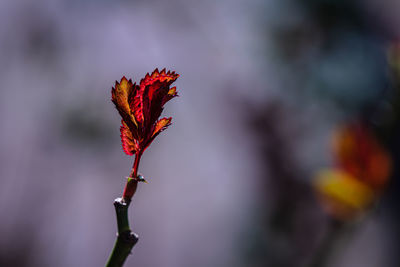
{"type": "Point", "coordinates": [359, 153]}
{"type": "Point", "coordinates": [140, 107]}
{"type": "Point", "coordinates": [362, 171]}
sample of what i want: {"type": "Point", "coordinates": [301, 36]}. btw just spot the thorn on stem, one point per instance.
{"type": "Point", "coordinates": [129, 237]}
{"type": "Point", "coordinates": [139, 178]}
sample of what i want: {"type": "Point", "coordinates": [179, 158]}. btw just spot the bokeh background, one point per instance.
{"type": "Point", "coordinates": [263, 85]}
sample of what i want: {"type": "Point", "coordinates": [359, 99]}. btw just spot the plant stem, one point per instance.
{"type": "Point", "coordinates": [131, 184]}
{"type": "Point", "coordinates": [126, 239]}
{"type": "Point", "coordinates": [323, 252]}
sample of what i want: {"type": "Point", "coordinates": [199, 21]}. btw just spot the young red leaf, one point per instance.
{"type": "Point", "coordinates": [128, 142]}
{"type": "Point", "coordinates": [140, 106]}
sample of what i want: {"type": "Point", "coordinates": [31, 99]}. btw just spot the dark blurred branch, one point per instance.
{"type": "Point", "coordinates": [126, 239]}
{"type": "Point", "coordinates": [289, 208]}
{"type": "Point", "coordinates": [323, 252]}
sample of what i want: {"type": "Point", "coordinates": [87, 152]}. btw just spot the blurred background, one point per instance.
{"type": "Point", "coordinates": [264, 86]}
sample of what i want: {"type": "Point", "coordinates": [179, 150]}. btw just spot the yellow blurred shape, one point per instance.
{"type": "Point", "coordinates": [342, 195]}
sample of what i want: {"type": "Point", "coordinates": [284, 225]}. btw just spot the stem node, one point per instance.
{"type": "Point", "coordinates": [126, 239]}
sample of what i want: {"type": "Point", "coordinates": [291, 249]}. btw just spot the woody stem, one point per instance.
{"type": "Point", "coordinates": [126, 239]}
